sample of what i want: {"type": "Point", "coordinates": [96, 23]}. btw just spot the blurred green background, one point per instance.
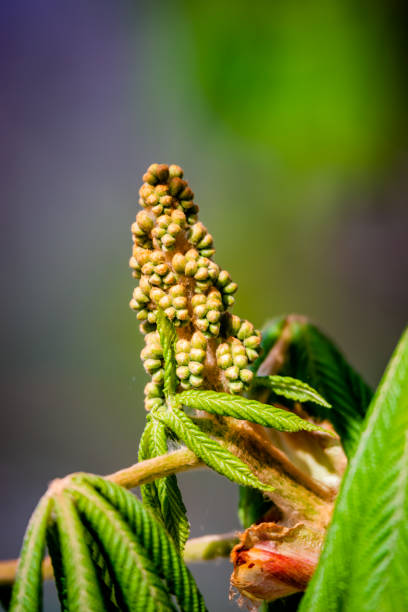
{"type": "Point", "coordinates": [289, 119]}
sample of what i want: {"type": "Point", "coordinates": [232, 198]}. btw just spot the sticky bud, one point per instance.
{"type": "Point", "coordinates": [273, 561]}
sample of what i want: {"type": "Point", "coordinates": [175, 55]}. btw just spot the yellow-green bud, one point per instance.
{"type": "Point", "coordinates": [241, 361]}
{"type": "Point", "coordinates": [199, 341]}
{"type": "Point", "coordinates": [214, 329]}
{"type": "Point", "coordinates": [224, 361]}
{"type": "Point", "coordinates": [179, 263]}
{"type": "Point", "coordinates": [195, 367]}
{"type": "Point", "coordinates": [252, 354]}
{"type": "Point", "coordinates": [182, 346]}
{"type": "Point", "coordinates": [246, 375]}
{"type": "Point", "coordinates": [182, 358]}
{"type": "Point", "coordinates": [195, 381]}
{"type": "Point", "coordinates": [191, 268]}
{"type": "Point", "coordinates": [183, 372]}
{"type": "Point", "coordinates": [151, 365]}
{"type": "Point", "coordinates": [252, 342]}
{"type": "Point", "coordinates": [232, 373]}
{"type": "Point", "coordinates": [202, 324]}
{"type": "Point", "coordinates": [175, 170]}
{"type": "Point", "coordinates": [197, 354]}
{"type": "Point", "coordinates": [177, 291]}
{"type": "Point", "coordinates": [198, 299]}
{"type": "Point", "coordinates": [170, 312]}
{"type": "Point", "coordinates": [236, 386]}
{"type": "Point", "coordinates": [144, 221]}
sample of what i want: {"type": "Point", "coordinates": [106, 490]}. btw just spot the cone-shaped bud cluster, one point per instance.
{"type": "Point", "coordinates": [172, 258]}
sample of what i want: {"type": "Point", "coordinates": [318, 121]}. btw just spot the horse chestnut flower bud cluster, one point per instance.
{"type": "Point", "coordinates": [172, 257]}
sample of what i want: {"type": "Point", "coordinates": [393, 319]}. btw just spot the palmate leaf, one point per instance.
{"type": "Point", "coordinates": [291, 388]}
{"type": "Point", "coordinates": [364, 564]}
{"type": "Point", "coordinates": [239, 407]}
{"type": "Point", "coordinates": [208, 450]}
{"type": "Point", "coordinates": [168, 337]}
{"type": "Point", "coordinates": [27, 590]}
{"type": "Point", "coordinates": [314, 359]}
{"type": "Point", "coordinates": [82, 586]}
{"type": "Point", "coordinates": [134, 572]}
{"type": "Point", "coordinates": [152, 537]}
{"type": "Point", "coordinates": [163, 495]}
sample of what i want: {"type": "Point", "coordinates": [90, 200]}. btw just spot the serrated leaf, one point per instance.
{"type": "Point", "coordinates": [292, 389]}
{"type": "Point", "coordinates": [142, 589]}
{"type": "Point", "coordinates": [365, 558]}
{"type": "Point", "coordinates": [163, 495]}
{"type": "Point", "coordinates": [54, 548]}
{"type": "Point", "coordinates": [239, 407]}
{"type": "Point", "coordinates": [149, 490]}
{"type": "Point", "coordinates": [315, 359]}
{"type": "Point", "coordinates": [154, 539]}
{"type": "Point", "coordinates": [27, 591]}
{"type": "Point", "coordinates": [208, 450]}
{"type": "Point", "coordinates": [168, 337]}
{"type": "Point", "coordinates": [82, 586]}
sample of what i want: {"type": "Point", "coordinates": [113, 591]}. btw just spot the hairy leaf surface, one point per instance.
{"type": "Point", "coordinates": [27, 590]}
{"type": "Point", "coordinates": [207, 449]}
{"type": "Point", "coordinates": [239, 407]}
{"type": "Point", "coordinates": [82, 585]}
{"type": "Point", "coordinates": [364, 563]}
{"type": "Point", "coordinates": [153, 538]}
{"type": "Point", "coordinates": [142, 589]}
{"type": "Point", "coordinates": [292, 389]}
{"type": "Point", "coordinates": [163, 495]}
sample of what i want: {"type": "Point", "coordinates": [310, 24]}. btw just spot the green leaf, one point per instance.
{"type": "Point", "coordinates": [292, 389]}
{"type": "Point", "coordinates": [142, 589]}
{"type": "Point", "coordinates": [365, 558]}
{"type": "Point", "coordinates": [82, 586]}
{"type": "Point", "coordinates": [168, 337]}
{"type": "Point", "coordinates": [54, 548]}
{"type": "Point", "coordinates": [149, 491]}
{"type": "Point", "coordinates": [154, 539]}
{"type": "Point", "coordinates": [314, 359]}
{"type": "Point", "coordinates": [208, 450]}
{"type": "Point", "coordinates": [110, 589]}
{"type": "Point", "coordinates": [163, 495]}
{"type": "Point", "coordinates": [27, 590]}
{"type": "Point", "coordinates": [239, 407]}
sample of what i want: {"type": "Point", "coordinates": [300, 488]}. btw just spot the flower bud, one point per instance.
{"type": "Point", "coordinates": [183, 372]}
{"type": "Point", "coordinates": [197, 354]}
{"type": "Point", "coordinates": [195, 381]}
{"type": "Point", "coordinates": [179, 263]}
{"type": "Point", "coordinates": [195, 367]}
{"type": "Point", "coordinates": [232, 373]}
{"type": "Point", "coordinates": [199, 341]}
{"type": "Point", "coordinates": [246, 375]}
{"type": "Point", "coordinates": [175, 171]}
{"type": "Point", "coordinates": [144, 221]}
{"type": "Point", "coordinates": [273, 561]}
